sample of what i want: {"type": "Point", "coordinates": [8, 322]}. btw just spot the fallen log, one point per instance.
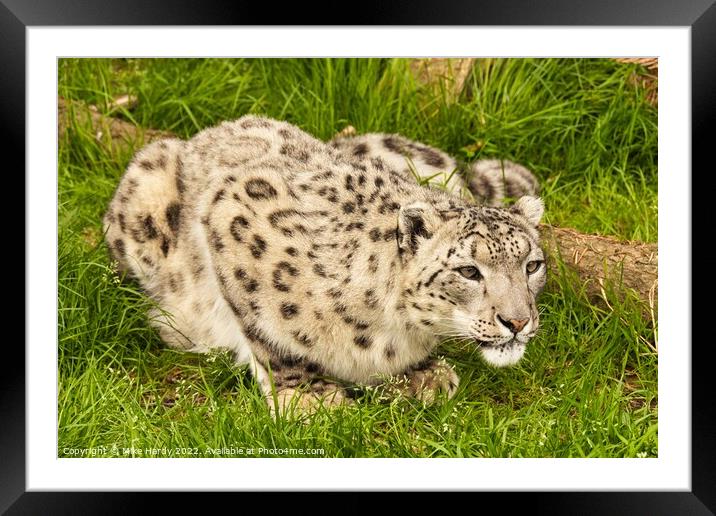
{"type": "Point", "coordinates": [110, 131]}
{"type": "Point", "coordinates": [605, 266]}
{"type": "Point", "coordinates": [446, 74]}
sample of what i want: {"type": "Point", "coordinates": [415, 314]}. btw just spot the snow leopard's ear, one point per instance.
{"type": "Point", "coordinates": [531, 208]}
{"type": "Point", "coordinates": [417, 222]}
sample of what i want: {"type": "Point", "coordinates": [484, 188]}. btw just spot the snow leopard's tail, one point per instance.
{"type": "Point", "coordinates": [492, 181]}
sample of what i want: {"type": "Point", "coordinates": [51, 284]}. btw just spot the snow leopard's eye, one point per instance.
{"type": "Point", "coordinates": [470, 272]}
{"type": "Point", "coordinates": [534, 266]}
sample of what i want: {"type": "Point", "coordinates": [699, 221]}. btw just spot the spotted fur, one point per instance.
{"type": "Point", "coordinates": [322, 264]}
{"type": "Point", "coordinates": [488, 181]}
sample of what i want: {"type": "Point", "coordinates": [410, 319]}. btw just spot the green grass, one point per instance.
{"type": "Point", "coordinates": [587, 386]}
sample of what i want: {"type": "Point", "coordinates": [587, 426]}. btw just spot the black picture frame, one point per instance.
{"type": "Point", "coordinates": [699, 15]}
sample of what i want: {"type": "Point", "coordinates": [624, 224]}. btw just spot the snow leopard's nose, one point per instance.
{"type": "Point", "coordinates": [514, 325]}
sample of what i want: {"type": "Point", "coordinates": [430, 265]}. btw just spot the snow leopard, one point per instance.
{"type": "Point", "coordinates": [325, 265]}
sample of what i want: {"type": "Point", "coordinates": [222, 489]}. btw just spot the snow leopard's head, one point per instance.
{"type": "Point", "coordinates": [474, 273]}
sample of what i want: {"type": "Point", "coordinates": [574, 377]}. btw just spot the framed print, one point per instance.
{"type": "Point", "coordinates": [298, 248]}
